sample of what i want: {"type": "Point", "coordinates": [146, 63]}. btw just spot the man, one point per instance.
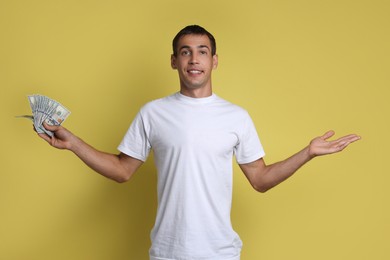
{"type": "Point", "coordinates": [194, 135]}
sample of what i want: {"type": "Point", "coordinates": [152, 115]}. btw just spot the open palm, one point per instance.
{"type": "Point", "coordinates": [321, 145]}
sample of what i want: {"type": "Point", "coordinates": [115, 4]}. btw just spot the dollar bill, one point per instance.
{"type": "Point", "coordinates": [45, 110]}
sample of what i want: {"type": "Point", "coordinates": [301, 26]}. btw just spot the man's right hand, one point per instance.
{"type": "Point", "coordinates": [62, 138]}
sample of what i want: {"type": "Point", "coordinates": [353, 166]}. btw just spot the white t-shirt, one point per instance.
{"type": "Point", "coordinates": [193, 140]}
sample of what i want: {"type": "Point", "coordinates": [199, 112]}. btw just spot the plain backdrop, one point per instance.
{"type": "Point", "coordinates": [299, 67]}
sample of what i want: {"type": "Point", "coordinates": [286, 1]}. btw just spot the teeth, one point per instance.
{"type": "Point", "coordinates": [195, 71]}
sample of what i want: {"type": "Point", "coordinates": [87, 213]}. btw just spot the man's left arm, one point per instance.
{"type": "Point", "coordinates": [264, 177]}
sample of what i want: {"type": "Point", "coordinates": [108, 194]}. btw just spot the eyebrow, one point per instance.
{"type": "Point", "coordinates": [199, 47]}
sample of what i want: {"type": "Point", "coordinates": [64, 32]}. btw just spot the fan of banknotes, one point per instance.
{"type": "Point", "coordinates": [47, 110]}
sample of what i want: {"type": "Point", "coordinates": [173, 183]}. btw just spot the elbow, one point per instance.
{"type": "Point", "coordinates": [261, 188]}
{"type": "Point", "coordinates": [122, 178]}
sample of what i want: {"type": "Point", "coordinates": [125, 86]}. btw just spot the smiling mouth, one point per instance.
{"type": "Point", "coordinates": [194, 72]}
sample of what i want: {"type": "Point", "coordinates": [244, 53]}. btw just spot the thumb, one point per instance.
{"type": "Point", "coordinates": [328, 135]}
{"type": "Point", "coordinates": [52, 128]}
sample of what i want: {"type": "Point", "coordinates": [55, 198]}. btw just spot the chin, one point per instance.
{"type": "Point", "coordinates": [192, 85]}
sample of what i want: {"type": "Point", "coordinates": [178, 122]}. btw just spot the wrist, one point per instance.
{"type": "Point", "coordinates": [309, 153]}
{"type": "Point", "coordinates": [74, 143]}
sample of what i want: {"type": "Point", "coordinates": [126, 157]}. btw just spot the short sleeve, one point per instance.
{"type": "Point", "coordinates": [135, 143]}
{"type": "Point", "coordinates": [249, 147]}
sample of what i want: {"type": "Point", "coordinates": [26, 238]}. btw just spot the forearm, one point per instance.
{"type": "Point", "coordinates": [263, 177]}
{"type": "Point", "coordinates": [106, 164]}
{"type": "Point", "coordinates": [116, 167]}
{"type": "Point", "coordinates": [276, 173]}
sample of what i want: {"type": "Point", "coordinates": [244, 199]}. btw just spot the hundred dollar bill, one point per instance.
{"type": "Point", "coordinates": [46, 110]}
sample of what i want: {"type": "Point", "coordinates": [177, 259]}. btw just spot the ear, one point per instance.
{"type": "Point", "coordinates": [215, 61]}
{"type": "Point", "coordinates": [173, 62]}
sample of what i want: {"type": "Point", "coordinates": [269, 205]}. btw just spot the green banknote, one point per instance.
{"type": "Point", "coordinates": [45, 110]}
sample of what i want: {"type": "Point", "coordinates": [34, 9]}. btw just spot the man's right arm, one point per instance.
{"type": "Point", "coordinates": [119, 167]}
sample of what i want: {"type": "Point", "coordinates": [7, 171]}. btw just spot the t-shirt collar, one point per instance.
{"type": "Point", "coordinates": [192, 100]}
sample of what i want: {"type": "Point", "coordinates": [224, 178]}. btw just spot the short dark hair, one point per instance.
{"type": "Point", "coordinates": [194, 29]}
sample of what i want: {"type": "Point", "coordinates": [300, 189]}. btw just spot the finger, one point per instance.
{"type": "Point", "coordinates": [352, 139]}
{"type": "Point", "coordinates": [343, 145]}
{"type": "Point", "coordinates": [349, 138]}
{"type": "Point", "coordinates": [52, 128]}
{"type": "Point", "coordinates": [328, 135]}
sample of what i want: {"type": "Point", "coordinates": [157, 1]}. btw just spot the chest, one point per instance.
{"type": "Point", "coordinates": [199, 130]}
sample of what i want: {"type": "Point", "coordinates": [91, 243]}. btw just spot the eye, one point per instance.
{"type": "Point", "coordinates": [185, 53]}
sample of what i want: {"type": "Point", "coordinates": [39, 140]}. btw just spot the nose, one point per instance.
{"type": "Point", "coordinates": [194, 58]}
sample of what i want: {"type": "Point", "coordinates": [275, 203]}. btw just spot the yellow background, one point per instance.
{"type": "Point", "coordinates": [299, 68]}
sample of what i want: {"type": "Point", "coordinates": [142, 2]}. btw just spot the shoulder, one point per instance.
{"type": "Point", "coordinates": [231, 107]}
{"type": "Point", "coordinates": [157, 104]}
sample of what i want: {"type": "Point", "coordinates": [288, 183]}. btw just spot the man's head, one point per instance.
{"type": "Point", "coordinates": [194, 58]}
{"type": "Point", "coordinates": [195, 30]}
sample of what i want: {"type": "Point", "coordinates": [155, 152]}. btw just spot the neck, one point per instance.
{"type": "Point", "coordinates": [197, 92]}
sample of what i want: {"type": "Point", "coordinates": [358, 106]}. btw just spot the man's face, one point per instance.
{"type": "Point", "coordinates": [194, 62]}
